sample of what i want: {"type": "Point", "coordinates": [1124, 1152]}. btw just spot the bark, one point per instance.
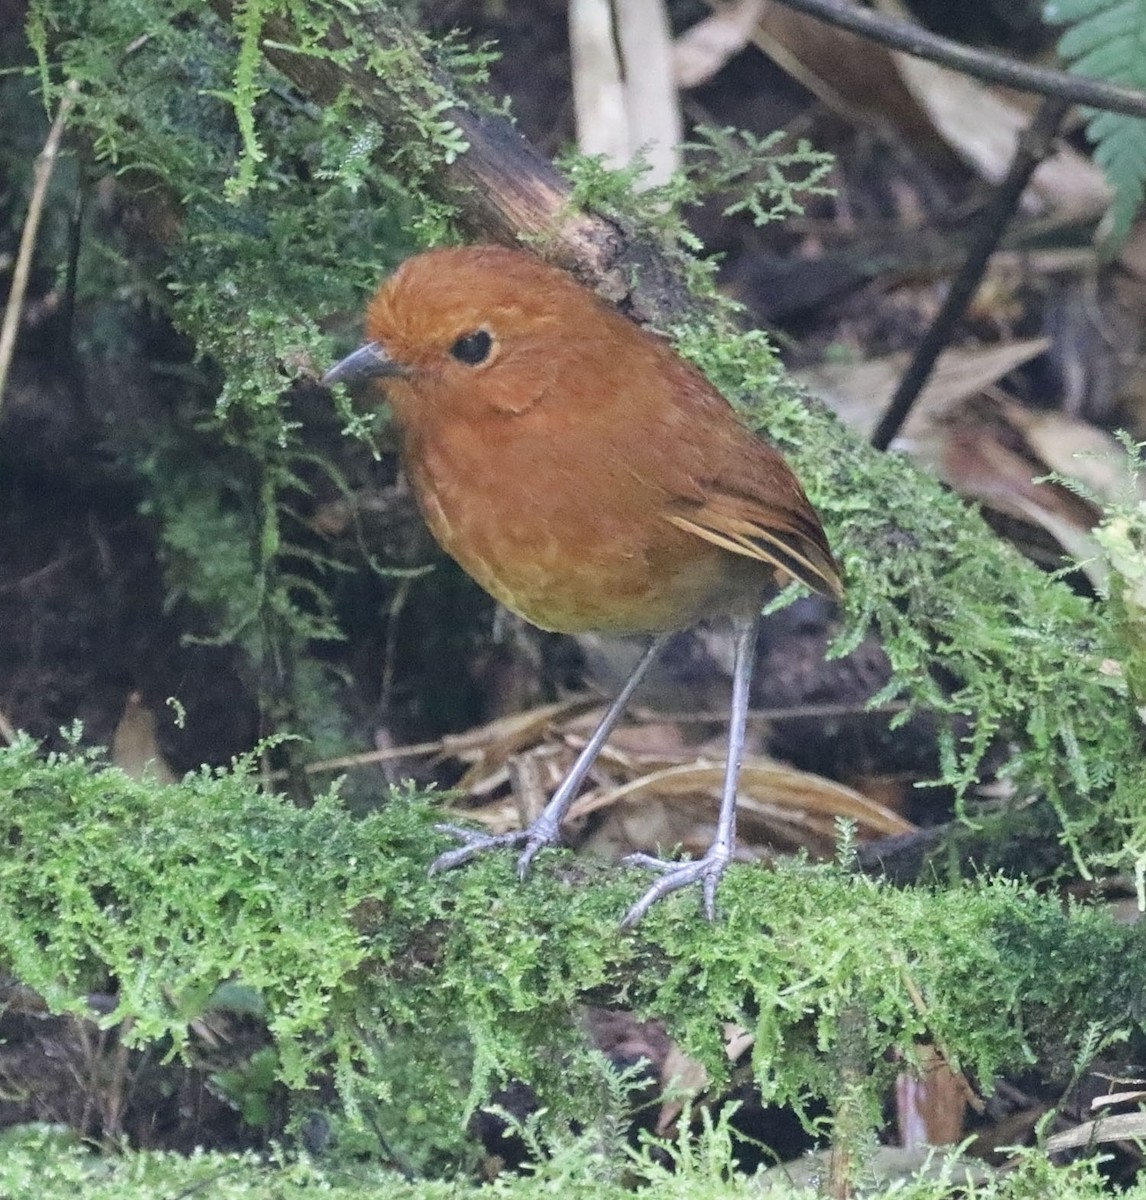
{"type": "Point", "coordinates": [502, 188]}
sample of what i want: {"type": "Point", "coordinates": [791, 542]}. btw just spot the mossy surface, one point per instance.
{"type": "Point", "coordinates": [424, 995]}
{"type": "Point", "coordinates": [45, 1164]}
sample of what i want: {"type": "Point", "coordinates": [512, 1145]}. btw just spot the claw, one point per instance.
{"type": "Point", "coordinates": [533, 843]}
{"type": "Point", "coordinates": [676, 875]}
{"type": "Point", "coordinates": [474, 843]}
{"type": "Point", "coordinates": [708, 870]}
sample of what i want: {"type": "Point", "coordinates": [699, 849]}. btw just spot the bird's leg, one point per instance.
{"type": "Point", "coordinates": [546, 829]}
{"type": "Point", "coordinates": [709, 869]}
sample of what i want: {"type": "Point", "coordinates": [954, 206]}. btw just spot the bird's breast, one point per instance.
{"type": "Point", "coordinates": [568, 541]}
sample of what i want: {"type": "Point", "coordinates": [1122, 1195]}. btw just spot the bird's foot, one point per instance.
{"type": "Point", "coordinates": [533, 839]}
{"type": "Point", "coordinates": [706, 871]}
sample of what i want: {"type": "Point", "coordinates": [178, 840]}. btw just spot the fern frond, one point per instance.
{"type": "Point", "coordinates": [1106, 39]}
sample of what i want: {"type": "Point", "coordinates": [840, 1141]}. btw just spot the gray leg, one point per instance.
{"type": "Point", "coordinates": [709, 869]}
{"type": "Point", "coordinates": [546, 830]}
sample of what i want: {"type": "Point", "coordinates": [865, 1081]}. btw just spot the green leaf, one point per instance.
{"type": "Point", "coordinates": [1106, 39]}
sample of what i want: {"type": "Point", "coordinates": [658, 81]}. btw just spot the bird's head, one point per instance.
{"type": "Point", "coordinates": [470, 330]}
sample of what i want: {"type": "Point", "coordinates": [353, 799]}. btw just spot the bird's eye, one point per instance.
{"type": "Point", "coordinates": [473, 348]}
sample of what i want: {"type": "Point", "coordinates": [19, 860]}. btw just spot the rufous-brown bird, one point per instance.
{"type": "Point", "coordinates": [589, 478]}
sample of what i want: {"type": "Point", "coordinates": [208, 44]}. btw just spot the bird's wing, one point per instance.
{"type": "Point", "coordinates": [783, 536]}
{"type": "Point", "coordinates": [718, 481]}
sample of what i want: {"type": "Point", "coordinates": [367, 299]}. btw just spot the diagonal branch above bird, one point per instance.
{"type": "Point", "coordinates": [590, 479]}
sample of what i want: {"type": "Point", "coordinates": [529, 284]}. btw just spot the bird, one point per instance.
{"type": "Point", "coordinates": [590, 479]}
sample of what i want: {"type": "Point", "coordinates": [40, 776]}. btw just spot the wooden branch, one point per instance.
{"type": "Point", "coordinates": [983, 64]}
{"type": "Point", "coordinates": [502, 188]}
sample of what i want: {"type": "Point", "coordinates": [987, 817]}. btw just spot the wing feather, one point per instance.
{"type": "Point", "coordinates": [784, 539]}
{"type": "Point", "coordinates": [728, 487]}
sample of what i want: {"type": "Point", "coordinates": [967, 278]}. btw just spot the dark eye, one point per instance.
{"type": "Point", "coordinates": [472, 348]}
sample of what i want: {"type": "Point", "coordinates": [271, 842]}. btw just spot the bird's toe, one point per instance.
{"type": "Point", "coordinates": [474, 842]}
{"type": "Point", "coordinates": [674, 876]}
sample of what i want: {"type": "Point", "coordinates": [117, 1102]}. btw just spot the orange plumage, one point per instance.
{"type": "Point", "coordinates": [580, 470]}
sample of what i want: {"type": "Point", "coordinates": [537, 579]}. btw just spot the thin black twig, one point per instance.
{"type": "Point", "coordinates": [1034, 145]}
{"type": "Point", "coordinates": [983, 64]}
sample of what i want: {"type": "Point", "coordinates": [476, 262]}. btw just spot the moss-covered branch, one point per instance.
{"type": "Point", "coordinates": [420, 994]}
{"type": "Point", "coordinates": [451, 146]}
{"type": "Point", "coordinates": [43, 1163]}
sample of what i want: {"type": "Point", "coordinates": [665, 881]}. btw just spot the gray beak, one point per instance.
{"type": "Point", "coordinates": [371, 361]}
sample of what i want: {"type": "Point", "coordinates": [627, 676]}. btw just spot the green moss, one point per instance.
{"type": "Point", "coordinates": [257, 214]}
{"type": "Point", "coordinates": [423, 995]}
{"type": "Point", "coordinates": [41, 1165]}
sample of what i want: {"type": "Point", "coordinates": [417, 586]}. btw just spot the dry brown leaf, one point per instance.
{"type": "Point", "coordinates": [1076, 448]}
{"type": "Point", "coordinates": [988, 458]}
{"type": "Point", "coordinates": [737, 1042]}
{"type": "Point", "coordinates": [646, 739]}
{"type": "Point", "coordinates": [982, 124]}
{"type": "Point", "coordinates": [489, 747]}
{"type": "Point", "coordinates": [991, 455]}
{"type": "Point", "coordinates": [684, 1078]}
{"type": "Point", "coordinates": [703, 48]}
{"type": "Point", "coordinates": [859, 392]}
{"type": "Point", "coordinates": [1119, 1128]}
{"type": "Point", "coordinates": [510, 732]}
{"type": "Point", "coordinates": [847, 73]}
{"type": "Point", "coordinates": [994, 458]}
{"type": "Point", "coordinates": [775, 823]}
{"type": "Point", "coordinates": [979, 459]}
{"type": "Point", "coordinates": [678, 793]}
{"type": "Point", "coordinates": [135, 746]}
{"type": "Point", "coordinates": [645, 827]}
{"type": "Point", "coordinates": [1113, 1098]}
{"type": "Point", "coordinates": [937, 111]}
{"type": "Point", "coordinates": [498, 816]}
{"type": "Point", "coordinates": [1073, 538]}
{"type": "Point", "coordinates": [761, 782]}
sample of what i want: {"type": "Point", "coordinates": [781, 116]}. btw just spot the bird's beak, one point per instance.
{"type": "Point", "coordinates": [371, 361]}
